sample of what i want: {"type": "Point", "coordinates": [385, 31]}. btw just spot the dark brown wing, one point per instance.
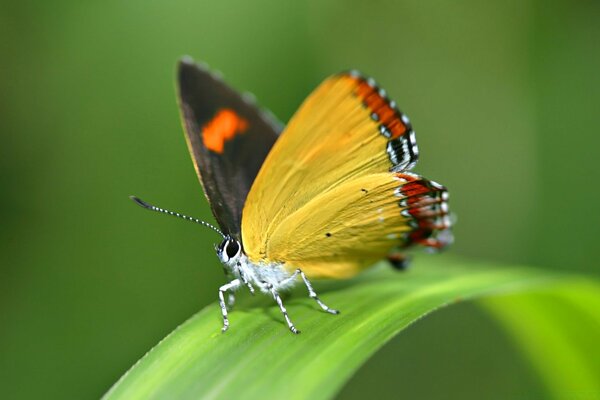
{"type": "Point", "coordinates": [228, 137]}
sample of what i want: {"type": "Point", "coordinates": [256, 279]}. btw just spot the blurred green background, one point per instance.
{"type": "Point", "coordinates": [504, 97]}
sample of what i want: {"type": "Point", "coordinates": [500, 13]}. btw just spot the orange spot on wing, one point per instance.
{"type": "Point", "coordinates": [224, 126]}
{"type": "Point", "coordinates": [388, 116]}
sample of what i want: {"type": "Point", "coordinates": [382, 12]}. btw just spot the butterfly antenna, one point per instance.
{"type": "Point", "coordinates": [150, 207]}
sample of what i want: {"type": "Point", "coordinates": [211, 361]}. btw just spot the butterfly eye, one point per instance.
{"type": "Point", "coordinates": [232, 247]}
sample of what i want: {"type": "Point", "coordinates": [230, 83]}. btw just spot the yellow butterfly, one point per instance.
{"type": "Point", "coordinates": [326, 198]}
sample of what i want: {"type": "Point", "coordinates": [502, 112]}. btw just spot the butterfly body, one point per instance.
{"type": "Point", "coordinates": [269, 278]}
{"type": "Point", "coordinates": [262, 276]}
{"type": "Point", "coordinates": [326, 198]}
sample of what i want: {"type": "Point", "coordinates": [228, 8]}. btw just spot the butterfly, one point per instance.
{"type": "Point", "coordinates": [327, 196]}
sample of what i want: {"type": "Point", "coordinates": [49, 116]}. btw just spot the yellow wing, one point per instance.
{"type": "Point", "coordinates": [332, 197]}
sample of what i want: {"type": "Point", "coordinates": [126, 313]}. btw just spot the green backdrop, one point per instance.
{"type": "Point", "coordinates": [503, 96]}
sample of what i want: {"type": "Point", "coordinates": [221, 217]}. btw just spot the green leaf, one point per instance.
{"type": "Point", "coordinates": [259, 358]}
{"type": "Point", "coordinates": [558, 328]}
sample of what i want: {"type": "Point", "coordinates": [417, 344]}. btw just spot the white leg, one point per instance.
{"type": "Point", "coordinates": [283, 310]}
{"type": "Point", "coordinates": [312, 294]}
{"type": "Point", "coordinates": [231, 286]}
{"type": "Point", "coordinates": [230, 301]}
{"type": "Point", "coordinates": [245, 280]}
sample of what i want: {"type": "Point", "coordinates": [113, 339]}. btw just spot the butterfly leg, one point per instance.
{"type": "Point", "coordinates": [282, 308]}
{"type": "Point", "coordinates": [244, 279]}
{"type": "Point", "coordinates": [230, 301]}
{"type": "Point", "coordinates": [231, 286]}
{"type": "Point", "coordinates": [313, 295]}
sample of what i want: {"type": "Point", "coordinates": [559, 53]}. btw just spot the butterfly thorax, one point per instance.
{"type": "Point", "coordinates": [265, 276]}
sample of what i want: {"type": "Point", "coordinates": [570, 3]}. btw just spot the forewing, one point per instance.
{"type": "Point", "coordinates": [228, 137]}
{"type": "Point", "coordinates": [329, 196]}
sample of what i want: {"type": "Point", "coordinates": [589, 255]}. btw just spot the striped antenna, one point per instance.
{"type": "Point", "coordinates": [150, 207]}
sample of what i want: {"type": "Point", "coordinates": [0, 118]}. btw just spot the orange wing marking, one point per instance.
{"type": "Point", "coordinates": [426, 204]}
{"type": "Point", "coordinates": [392, 124]}
{"type": "Point", "coordinates": [224, 126]}
{"type": "Point", "coordinates": [384, 112]}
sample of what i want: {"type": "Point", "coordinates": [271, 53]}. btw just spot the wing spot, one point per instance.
{"type": "Point", "coordinates": [328, 234]}
{"type": "Point", "coordinates": [385, 131]}
{"type": "Point", "coordinates": [224, 126]}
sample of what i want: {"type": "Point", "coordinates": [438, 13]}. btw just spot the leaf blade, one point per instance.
{"type": "Point", "coordinates": [258, 357]}
{"type": "Point", "coordinates": [558, 328]}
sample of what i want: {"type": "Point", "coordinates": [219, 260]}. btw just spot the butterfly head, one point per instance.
{"type": "Point", "coordinates": [229, 251]}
